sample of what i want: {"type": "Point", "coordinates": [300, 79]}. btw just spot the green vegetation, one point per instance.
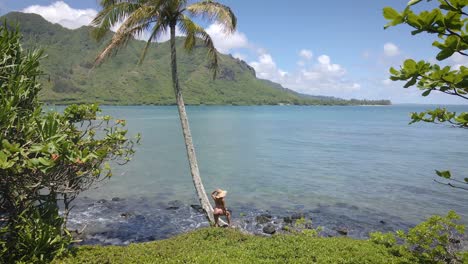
{"type": "Point", "coordinates": [71, 55]}
{"type": "Point", "coordinates": [450, 23]}
{"type": "Point", "coordinates": [46, 159]}
{"type": "Point", "coordinates": [436, 240]}
{"type": "Point", "coordinates": [219, 245]}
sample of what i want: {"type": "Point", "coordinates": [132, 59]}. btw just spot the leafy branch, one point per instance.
{"type": "Point", "coordinates": [449, 21]}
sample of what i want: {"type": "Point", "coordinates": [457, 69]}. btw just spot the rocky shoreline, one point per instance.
{"type": "Point", "coordinates": [119, 221]}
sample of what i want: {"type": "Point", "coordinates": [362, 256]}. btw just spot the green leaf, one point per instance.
{"type": "Point", "coordinates": [411, 82]}
{"type": "Point", "coordinates": [390, 13]}
{"type": "Point", "coordinates": [427, 92]}
{"type": "Point", "coordinates": [444, 174]}
{"type": "Point", "coordinates": [445, 53]}
{"type": "Point", "coordinates": [393, 71]}
{"type": "Point", "coordinates": [410, 66]}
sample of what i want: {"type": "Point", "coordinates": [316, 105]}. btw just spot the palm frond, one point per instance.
{"type": "Point", "coordinates": [194, 31]}
{"type": "Point", "coordinates": [138, 21]}
{"type": "Point", "coordinates": [214, 11]}
{"type": "Point", "coordinates": [111, 15]}
{"type": "Point", "coordinates": [158, 29]}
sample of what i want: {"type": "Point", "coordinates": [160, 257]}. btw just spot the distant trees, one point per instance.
{"type": "Point", "coordinates": [160, 16]}
{"type": "Point", "coordinates": [450, 23]}
{"type": "Point", "coordinates": [46, 158]}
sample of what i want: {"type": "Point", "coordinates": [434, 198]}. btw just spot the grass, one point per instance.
{"type": "Point", "coordinates": [216, 245]}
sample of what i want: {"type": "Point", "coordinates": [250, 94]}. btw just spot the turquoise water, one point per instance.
{"type": "Point", "coordinates": [290, 157]}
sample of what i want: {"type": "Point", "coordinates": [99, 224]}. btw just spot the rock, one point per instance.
{"type": "Point", "coordinates": [382, 222]}
{"type": "Point", "coordinates": [175, 203]}
{"type": "Point", "coordinates": [197, 208]}
{"type": "Point", "coordinates": [116, 199]}
{"type": "Point", "coordinates": [296, 216]}
{"type": "Point", "coordinates": [342, 231]}
{"type": "Point", "coordinates": [126, 214]}
{"type": "Point", "coordinates": [172, 208]}
{"type": "Point", "coordinates": [263, 218]}
{"type": "Point", "coordinates": [308, 226]}
{"type": "Point", "coordinates": [269, 229]}
{"type": "Point", "coordinates": [288, 220]}
{"type": "Point", "coordinates": [102, 201]}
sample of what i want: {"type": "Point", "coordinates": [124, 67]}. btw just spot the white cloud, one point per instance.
{"type": "Point", "coordinates": [225, 42]}
{"type": "Point", "coordinates": [457, 60]}
{"type": "Point", "coordinates": [239, 56]}
{"type": "Point", "coordinates": [386, 82]}
{"type": "Point", "coordinates": [61, 13]}
{"type": "Point", "coordinates": [165, 36]}
{"type": "Point", "coordinates": [266, 68]}
{"type": "Point", "coordinates": [306, 54]}
{"type": "Point", "coordinates": [391, 49]}
{"type": "Point", "coordinates": [321, 77]}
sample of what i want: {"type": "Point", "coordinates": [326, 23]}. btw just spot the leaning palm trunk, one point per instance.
{"type": "Point", "coordinates": [141, 15]}
{"type": "Point", "coordinates": [192, 158]}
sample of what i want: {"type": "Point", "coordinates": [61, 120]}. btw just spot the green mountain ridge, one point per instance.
{"type": "Point", "coordinates": [70, 76]}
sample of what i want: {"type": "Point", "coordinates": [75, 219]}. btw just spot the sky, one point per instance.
{"type": "Point", "coordinates": [334, 47]}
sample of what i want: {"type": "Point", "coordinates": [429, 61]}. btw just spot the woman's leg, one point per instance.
{"type": "Point", "coordinates": [216, 217]}
{"type": "Point", "coordinates": [228, 217]}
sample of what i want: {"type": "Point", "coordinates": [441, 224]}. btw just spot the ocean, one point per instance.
{"type": "Point", "coordinates": [359, 168]}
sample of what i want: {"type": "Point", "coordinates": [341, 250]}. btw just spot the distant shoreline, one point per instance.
{"type": "Point", "coordinates": [107, 104]}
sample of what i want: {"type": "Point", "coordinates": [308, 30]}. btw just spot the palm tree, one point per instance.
{"type": "Point", "coordinates": [157, 16]}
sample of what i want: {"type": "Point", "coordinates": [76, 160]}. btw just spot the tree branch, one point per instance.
{"type": "Point", "coordinates": [451, 185]}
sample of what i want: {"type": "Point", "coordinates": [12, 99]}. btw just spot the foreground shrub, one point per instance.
{"type": "Point", "coordinates": [437, 240]}
{"type": "Point", "coordinates": [45, 158]}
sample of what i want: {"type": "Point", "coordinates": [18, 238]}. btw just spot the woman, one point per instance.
{"type": "Point", "coordinates": [220, 206]}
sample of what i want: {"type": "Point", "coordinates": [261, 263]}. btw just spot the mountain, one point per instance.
{"type": "Point", "coordinates": [70, 76]}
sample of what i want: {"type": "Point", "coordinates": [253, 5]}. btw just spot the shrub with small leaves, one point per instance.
{"type": "Point", "coordinates": [436, 240]}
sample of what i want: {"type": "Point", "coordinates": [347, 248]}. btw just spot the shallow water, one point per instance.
{"type": "Point", "coordinates": [364, 164]}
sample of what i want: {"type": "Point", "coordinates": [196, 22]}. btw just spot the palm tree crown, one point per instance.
{"type": "Point", "coordinates": [157, 16]}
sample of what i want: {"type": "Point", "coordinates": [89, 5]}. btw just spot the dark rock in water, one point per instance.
{"type": "Point", "coordinates": [102, 201]}
{"type": "Point", "coordinates": [342, 231]}
{"type": "Point", "coordinates": [382, 222]}
{"type": "Point", "coordinates": [288, 220]}
{"type": "Point", "coordinates": [269, 229]}
{"type": "Point", "coordinates": [172, 208]}
{"type": "Point", "coordinates": [267, 215]}
{"type": "Point", "coordinates": [315, 211]}
{"type": "Point", "coordinates": [197, 208]}
{"type": "Point", "coordinates": [126, 214]}
{"type": "Point", "coordinates": [116, 199]}
{"type": "Point", "coordinates": [263, 218]}
{"type": "Point", "coordinates": [175, 203]}
{"type": "Point", "coordinates": [296, 216]}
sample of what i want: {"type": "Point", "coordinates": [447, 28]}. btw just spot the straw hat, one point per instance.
{"type": "Point", "coordinates": [220, 193]}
